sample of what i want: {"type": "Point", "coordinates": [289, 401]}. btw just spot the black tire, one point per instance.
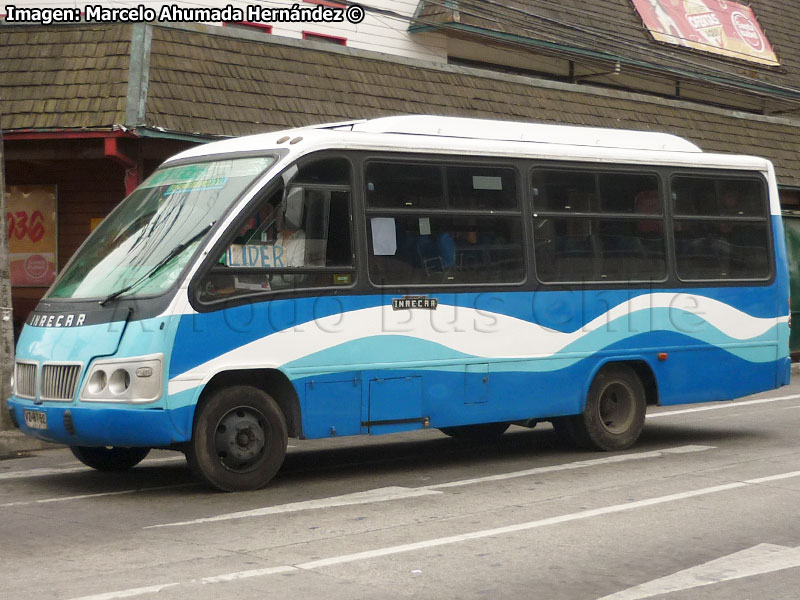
{"type": "Point", "coordinates": [239, 439]}
{"type": "Point", "coordinates": [614, 414]}
{"type": "Point", "coordinates": [109, 458]}
{"type": "Point", "coordinates": [484, 432]}
{"type": "Point", "coordinates": [565, 433]}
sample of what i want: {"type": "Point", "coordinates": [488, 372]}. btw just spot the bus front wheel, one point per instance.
{"type": "Point", "coordinates": [109, 458]}
{"type": "Point", "coordinates": [614, 413]}
{"type": "Point", "coordinates": [239, 439]}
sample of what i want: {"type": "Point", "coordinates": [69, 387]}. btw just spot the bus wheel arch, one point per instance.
{"type": "Point", "coordinates": [614, 411]}
{"type": "Point", "coordinates": [239, 438]}
{"type": "Point", "coordinates": [271, 381]}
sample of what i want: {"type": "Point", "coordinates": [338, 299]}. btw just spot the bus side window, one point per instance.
{"type": "Point", "coordinates": [721, 228]}
{"type": "Point", "coordinates": [598, 227]}
{"type": "Point", "coordinates": [411, 242]}
{"type": "Point", "coordinates": [297, 238]}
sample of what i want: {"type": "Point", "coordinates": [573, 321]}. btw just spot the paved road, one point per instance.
{"type": "Point", "coordinates": [704, 507]}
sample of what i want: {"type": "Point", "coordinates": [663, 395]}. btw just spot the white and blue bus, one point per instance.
{"type": "Point", "coordinates": [406, 273]}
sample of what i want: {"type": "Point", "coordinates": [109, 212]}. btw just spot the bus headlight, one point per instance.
{"type": "Point", "coordinates": [132, 380]}
{"type": "Point", "coordinates": [97, 381]}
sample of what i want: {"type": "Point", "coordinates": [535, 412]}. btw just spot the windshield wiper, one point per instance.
{"type": "Point", "coordinates": [158, 266]}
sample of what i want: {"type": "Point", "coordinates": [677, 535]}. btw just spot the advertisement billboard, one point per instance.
{"type": "Point", "coordinates": [32, 243]}
{"type": "Point", "coordinates": [717, 26]}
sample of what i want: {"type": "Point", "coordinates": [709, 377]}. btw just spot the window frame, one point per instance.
{"type": "Point", "coordinates": [324, 38]}
{"type": "Point", "coordinates": [514, 164]}
{"type": "Point", "coordinates": [272, 186]}
{"type": "Point", "coordinates": [596, 170]}
{"type": "Point", "coordinates": [265, 28]}
{"type": "Point", "coordinates": [717, 177]}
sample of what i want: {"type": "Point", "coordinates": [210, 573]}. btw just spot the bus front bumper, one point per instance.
{"type": "Point", "coordinates": [77, 425]}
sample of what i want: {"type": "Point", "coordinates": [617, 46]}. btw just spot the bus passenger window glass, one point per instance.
{"type": "Point", "coordinates": [404, 185]}
{"type": "Point", "coordinates": [564, 191]}
{"type": "Point", "coordinates": [721, 228]}
{"type": "Point", "coordinates": [629, 194]}
{"type": "Point", "coordinates": [721, 250]}
{"type": "Point", "coordinates": [297, 237]}
{"type": "Point", "coordinates": [598, 227]}
{"type": "Point", "coordinates": [576, 250]}
{"type": "Point", "coordinates": [445, 249]}
{"type": "Point", "coordinates": [705, 197]}
{"type": "Point", "coordinates": [481, 188]}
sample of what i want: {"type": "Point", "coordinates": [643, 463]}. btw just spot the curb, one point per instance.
{"type": "Point", "coordinates": [14, 441]}
{"type": "Point", "coordinates": [795, 368]}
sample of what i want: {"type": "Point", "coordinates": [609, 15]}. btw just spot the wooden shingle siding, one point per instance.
{"type": "Point", "coordinates": [63, 77]}
{"type": "Point", "coordinates": [206, 80]}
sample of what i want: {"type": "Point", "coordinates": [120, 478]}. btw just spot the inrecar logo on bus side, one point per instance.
{"type": "Point", "coordinates": [62, 320]}
{"type": "Point", "coordinates": [409, 302]}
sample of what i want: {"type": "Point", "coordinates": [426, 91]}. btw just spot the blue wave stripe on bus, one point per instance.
{"type": "Point", "coordinates": [563, 311]}
{"type": "Point", "coordinates": [392, 351]}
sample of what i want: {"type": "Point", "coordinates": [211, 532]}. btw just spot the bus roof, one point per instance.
{"type": "Point", "coordinates": [483, 129]}
{"type": "Point", "coordinates": [426, 133]}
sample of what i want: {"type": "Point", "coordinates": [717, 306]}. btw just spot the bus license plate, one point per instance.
{"type": "Point", "coordinates": [36, 419]}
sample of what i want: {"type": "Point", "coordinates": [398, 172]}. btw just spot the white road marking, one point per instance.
{"type": "Point", "coordinates": [78, 468]}
{"type": "Point", "coordinates": [97, 495]}
{"type": "Point", "coordinates": [584, 514]}
{"type": "Point", "coordinates": [582, 464]}
{"type": "Point", "coordinates": [764, 558]}
{"type": "Point", "coordinates": [41, 472]}
{"type": "Point", "coordinates": [733, 404]}
{"type": "Point", "coordinates": [151, 589]}
{"type": "Point", "coordinates": [248, 574]}
{"type": "Point", "coordinates": [369, 554]}
{"type": "Point", "coordinates": [369, 496]}
{"type": "Point", "coordinates": [399, 493]}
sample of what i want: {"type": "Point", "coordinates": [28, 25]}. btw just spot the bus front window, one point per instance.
{"type": "Point", "coordinates": [143, 246]}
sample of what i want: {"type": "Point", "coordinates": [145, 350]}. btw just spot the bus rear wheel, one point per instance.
{"type": "Point", "coordinates": [109, 458]}
{"type": "Point", "coordinates": [614, 413]}
{"type": "Point", "coordinates": [239, 439]}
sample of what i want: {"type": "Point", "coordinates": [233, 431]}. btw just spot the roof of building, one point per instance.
{"type": "Point", "coordinates": [196, 79]}
{"type": "Point", "coordinates": [63, 77]}
{"type": "Point", "coordinates": [614, 30]}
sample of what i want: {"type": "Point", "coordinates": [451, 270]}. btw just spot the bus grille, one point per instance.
{"type": "Point", "coordinates": [25, 378]}
{"type": "Point", "coordinates": [59, 381]}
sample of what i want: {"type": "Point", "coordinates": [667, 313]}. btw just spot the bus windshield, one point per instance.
{"type": "Point", "coordinates": [145, 244]}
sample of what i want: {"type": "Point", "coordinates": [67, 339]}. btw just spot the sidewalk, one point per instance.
{"type": "Point", "coordinates": [14, 441]}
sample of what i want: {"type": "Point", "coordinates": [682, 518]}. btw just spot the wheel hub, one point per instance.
{"type": "Point", "coordinates": [240, 438]}
{"type": "Point", "coordinates": [616, 408]}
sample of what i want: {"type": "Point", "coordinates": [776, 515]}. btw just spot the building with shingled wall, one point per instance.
{"type": "Point", "coordinates": [92, 108]}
